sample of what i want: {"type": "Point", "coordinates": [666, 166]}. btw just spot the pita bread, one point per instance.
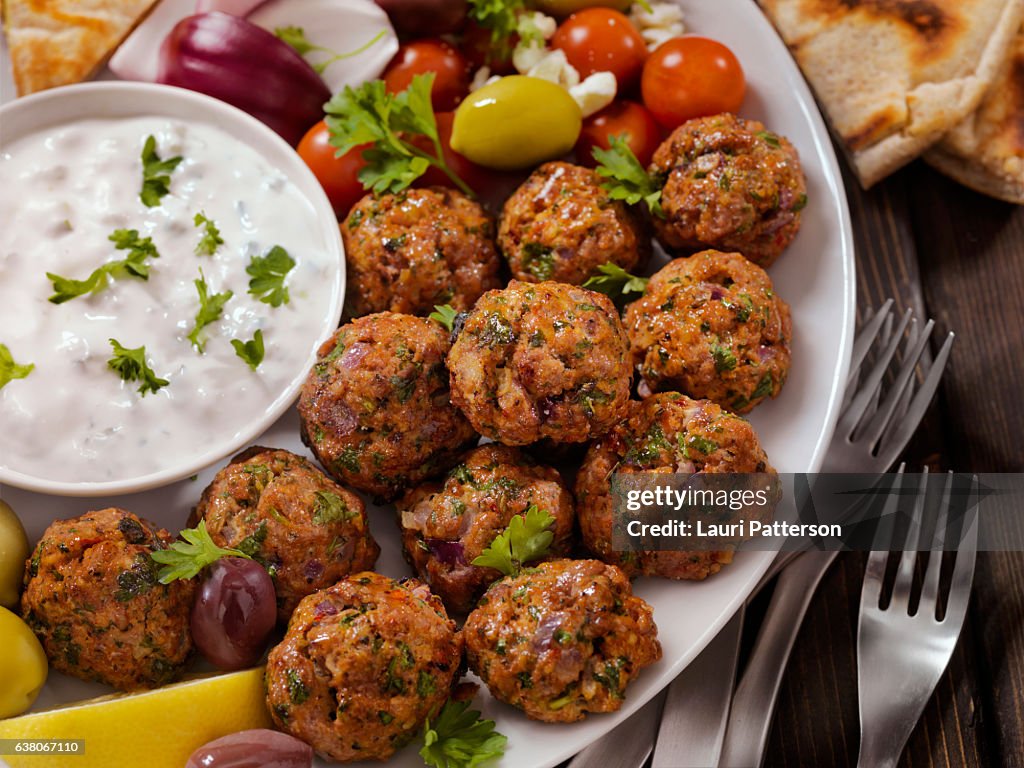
{"type": "Point", "coordinates": [893, 76]}
{"type": "Point", "coordinates": [57, 42]}
{"type": "Point", "coordinates": [986, 151]}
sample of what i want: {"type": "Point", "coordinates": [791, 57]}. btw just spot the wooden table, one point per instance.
{"type": "Point", "coordinates": [957, 257]}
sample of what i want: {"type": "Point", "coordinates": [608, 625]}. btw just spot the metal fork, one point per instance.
{"type": "Point", "coordinates": [901, 655]}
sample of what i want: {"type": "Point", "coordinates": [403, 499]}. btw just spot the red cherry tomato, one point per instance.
{"type": "Point", "coordinates": [688, 77]}
{"type": "Point", "coordinates": [476, 176]}
{"type": "Point", "coordinates": [602, 40]}
{"type": "Point", "coordinates": [476, 46]}
{"type": "Point", "coordinates": [339, 176]}
{"type": "Point", "coordinates": [451, 81]}
{"type": "Point", "coordinates": [622, 118]}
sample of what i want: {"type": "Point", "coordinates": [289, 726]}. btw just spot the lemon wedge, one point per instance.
{"type": "Point", "coordinates": [157, 729]}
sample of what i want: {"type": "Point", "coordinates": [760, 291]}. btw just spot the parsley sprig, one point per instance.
{"type": "Point", "coordinates": [10, 370]}
{"type": "Point", "coordinates": [526, 538]}
{"type": "Point", "coordinates": [460, 738]}
{"type": "Point", "coordinates": [156, 174]}
{"type": "Point", "coordinates": [501, 17]}
{"type": "Point", "coordinates": [211, 306]}
{"type": "Point", "coordinates": [625, 178]}
{"type": "Point", "coordinates": [615, 282]}
{"type": "Point", "coordinates": [131, 365]}
{"type": "Point", "coordinates": [444, 314]}
{"type": "Point", "coordinates": [210, 240]}
{"type": "Point", "coordinates": [185, 559]}
{"type": "Point", "coordinates": [296, 38]}
{"type": "Point", "coordinates": [133, 265]}
{"type": "Point", "coordinates": [371, 115]}
{"type": "Point", "coordinates": [252, 351]}
{"type": "Point", "coordinates": [268, 274]}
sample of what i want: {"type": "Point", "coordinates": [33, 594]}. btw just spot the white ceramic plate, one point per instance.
{"type": "Point", "coordinates": [816, 276]}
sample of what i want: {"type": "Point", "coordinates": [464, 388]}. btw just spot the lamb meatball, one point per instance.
{"type": "Point", "coordinates": [409, 251]}
{"type": "Point", "coordinates": [561, 225]}
{"type": "Point", "coordinates": [729, 184]}
{"type": "Point", "coordinates": [375, 408]}
{"type": "Point", "coordinates": [665, 433]}
{"type": "Point", "coordinates": [281, 510]}
{"type": "Point", "coordinates": [562, 639]}
{"type": "Point", "coordinates": [711, 326]}
{"type": "Point", "coordinates": [446, 525]}
{"type": "Point", "coordinates": [363, 664]}
{"type": "Point", "coordinates": [93, 599]}
{"type": "Point", "coordinates": [541, 361]}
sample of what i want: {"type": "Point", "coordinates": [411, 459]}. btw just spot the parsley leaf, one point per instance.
{"type": "Point", "coordinates": [296, 38]}
{"type": "Point", "coordinates": [526, 538]}
{"type": "Point", "coordinates": [210, 308]}
{"type": "Point", "coordinates": [330, 508]}
{"type": "Point", "coordinates": [250, 351]}
{"type": "Point", "coordinates": [501, 17]}
{"type": "Point", "coordinates": [627, 179]}
{"type": "Point", "coordinates": [10, 370]}
{"type": "Point", "coordinates": [131, 365]}
{"type": "Point", "coordinates": [211, 238]}
{"type": "Point", "coordinates": [615, 282]}
{"type": "Point", "coordinates": [134, 265]}
{"type": "Point", "coordinates": [459, 738]}
{"type": "Point", "coordinates": [156, 176]}
{"type": "Point", "coordinates": [185, 559]}
{"type": "Point", "coordinates": [444, 314]}
{"type": "Point", "coordinates": [371, 115]}
{"type": "Point", "coordinates": [268, 274]}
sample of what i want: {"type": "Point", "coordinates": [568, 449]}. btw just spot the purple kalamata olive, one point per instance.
{"type": "Point", "coordinates": [234, 612]}
{"type": "Point", "coordinates": [259, 748]}
{"type": "Point", "coordinates": [425, 18]}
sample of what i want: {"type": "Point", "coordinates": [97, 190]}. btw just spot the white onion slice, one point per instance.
{"type": "Point", "coordinates": [234, 7]}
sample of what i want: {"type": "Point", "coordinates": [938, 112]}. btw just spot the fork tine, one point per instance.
{"type": "Point", "coordinates": [874, 574]}
{"type": "Point", "coordinates": [866, 338]}
{"type": "Point", "coordinates": [930, 588]}
{"type": "Point", "coordinates": [876, 427]}
{"type": "Point", "coordinates": [853, 414]}
{"type": "Point", "coordinates": [905, 573]}
{"type": "Point", "coordinates": [966, 557]}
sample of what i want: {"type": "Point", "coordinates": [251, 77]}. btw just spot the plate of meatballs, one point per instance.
{"type": "Point", "coordinates": [497, 364]}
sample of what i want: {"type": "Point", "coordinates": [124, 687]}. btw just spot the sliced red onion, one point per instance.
{"type": "Point", "coordinates": [314, 570]}
{"type": "Point", "coordinates": [448, 552]}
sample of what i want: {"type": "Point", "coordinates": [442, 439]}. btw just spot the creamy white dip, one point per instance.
{"type": "Point", "coordinates": [64, 191]}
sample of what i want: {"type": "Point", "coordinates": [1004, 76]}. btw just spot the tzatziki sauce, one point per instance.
{"type": "Point", "coordinates": [65, 190]}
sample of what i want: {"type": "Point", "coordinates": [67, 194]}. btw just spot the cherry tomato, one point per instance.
{"type": "Point", "coordinates": [451, 81]}
{"type": "Point", "coordinates": [339, 176]}
{"type": "Point", "coordinates": [621, 118]}
{"type": "Point", "coordinates": [602, 40]}
{"type": "Point", "coordinates": [476, 45]}
{"type": "Point", "coordinates": [688, 77]}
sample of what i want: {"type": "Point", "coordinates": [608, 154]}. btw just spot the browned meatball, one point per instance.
{"type": "Point", "coordinates": [711, 326]}
{"type": "Point", "coordinates": [410, 251]}
{"type": "Point", "coordinates": [665, 433]}
{"type": "Point", "coordinates": [281, 510]}
{"type": "Point", "coordinates": [729, 184]}
{"type": "Point", "coordinates": [561, 225]}
{"type": "Point", "coordinates": [541, 361]}
{"type": "Point", "coordinates": [362, 665]}
{"type": "Point", "coordinates": [562, 639]}
{"type": "Point", "coordinates": [375, 408]}
{"type": "Point", "coordinates": [93, 599]}
{"type": "Point", "coordinates": [446, 525]}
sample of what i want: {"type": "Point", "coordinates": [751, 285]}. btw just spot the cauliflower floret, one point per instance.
{"type": "Point", "coordinates": [663, 22]}
{"type": "Point", "coordinates": [595, 93]}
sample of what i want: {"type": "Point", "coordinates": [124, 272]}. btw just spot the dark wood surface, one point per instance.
{"type": "Point", "coordinates": [958, 257]}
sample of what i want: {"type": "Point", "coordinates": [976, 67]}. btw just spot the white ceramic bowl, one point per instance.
{"type": "Point", "coordinates": [114, 100]}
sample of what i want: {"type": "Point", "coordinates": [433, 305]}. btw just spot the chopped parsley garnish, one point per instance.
{"type": "Point", "coordinates": [268, 274]}
{"type": "Point", "coordinates": [185, 559]}
{"type": "Point", "coordinates": [502, 18]}
{"type": "Point", "coordinates": [133, 265]}
{"type": "Point", "coordinates": [210, 239]}
{"type": "Point", "coordinates": [697, 442]}
{"type": "Point", "coordinates": [250, 351]}
{"type": "Point", "coordinates": [800, 204]}
{"type": "Point", "coordinates": [137, 580]}
{"type": "Point", "coordinates": [210, 308]}
{"type": "Point", "coordinates": [459, 738]}
{"type": "Point", "coordinates": [131, 365]}
{"type": "Point", "coordinates": [526, 538]}
{"type": "Point", "coordinates": [329, 508]}
{"type": "Point", "coordinates": [156, 174]}
{"type": "Point", "coordinates": [444, 314]}
{"type": "Point", "coordinates": [296, 38]}
{"type": "Point", "coordinates": [615, 282]}
{"type": "Point", "coordinates": [724, 358]}
{"type": "Point", "coordinates": [764, 387]}
{"type": "Point", "coordinates": [769, 138]}
{"type": "Point", "coordinates": [539, 260]}
{"type": "Point", "coordinates": [626, 178]}
{"type": "Point", "coordinates": [297, 690]}
{"type": "Point", "coordinates": [10, 370]}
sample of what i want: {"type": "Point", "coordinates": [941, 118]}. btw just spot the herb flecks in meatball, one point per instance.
{"type": "Point", "coordinates": [363, 664]}
{"type": "Point", "coordinates": [561, 225]}
{"type": "Point", "coordinates": [730, 184]}
{"type": "Point", "coordinates": [93, 599]}
{"type": "Point", "coordinates": [410, 251]}
{"type": "Point", "coordinates": [545, 360]}
{"type": "Point", "coordinates": [562, 639]}
{"type": "Point", "coordinates": [710, 326]}
{"type": "Point", "coordinates": [375, 408]}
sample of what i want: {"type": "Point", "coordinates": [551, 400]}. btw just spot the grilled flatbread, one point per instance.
{"type": "Point", "coordinates": [893, 76]}
{"type": "Point", "coordinates": [57, 42]}
{"type": "Point", "coordinates": [986, 151]}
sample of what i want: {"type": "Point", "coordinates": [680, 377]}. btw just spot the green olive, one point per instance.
{"type": "Point", "coordinates": [516, 122]}
{"type": "Point", "coordinates": [23, 665]}
{"type": "Point", "coordinates": [13, 553]}
{"type": "Point", "coordinates": [562, 8]}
